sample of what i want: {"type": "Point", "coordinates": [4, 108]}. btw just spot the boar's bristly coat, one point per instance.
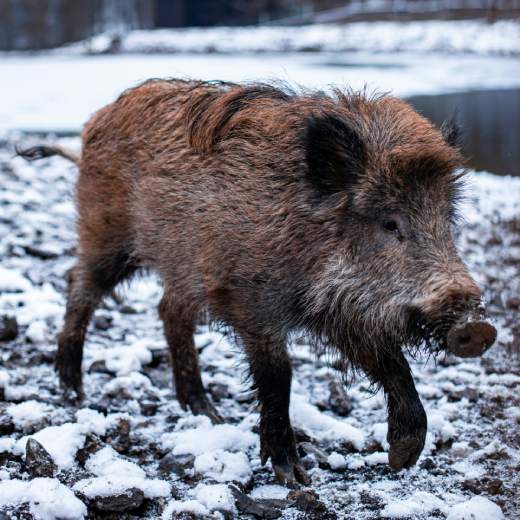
{"type": "Point", "coordinates": [272, 212]}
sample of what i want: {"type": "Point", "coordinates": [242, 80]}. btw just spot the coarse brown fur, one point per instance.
{"type": "Point", "coordinates": [273, 211]}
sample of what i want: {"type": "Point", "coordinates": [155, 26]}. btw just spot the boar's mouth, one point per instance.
{"type": "Point", "coordinates": [465, 336]}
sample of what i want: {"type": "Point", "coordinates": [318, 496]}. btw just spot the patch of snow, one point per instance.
{"type": "Point", "coordinates": [28, 413]}
{"type": "Point", "coordinates": [36, 303]}
{"type": "Point", "coordinates": [379, 432]}
{"type": "Point", "coordinates": [12, 281]}
{"type": "Point", "coordinates": [379, 457]}
{"type": "Point", "coordinates": [306, 416]}
{"type": "Point", "coordinates": [270, 491]}
{"type": "Point", "coordinates": [133, 382]}
{"type": "Point", "coordinates": [439, 425]}
{"type": "Point", "coordinates": [62, 442]}
{"type": "Point", "coordinates": [355, 462]}
{"type": "Point", "coordinates": [337, 461]}
{"type": "Point", "coordinates": [419, 503]}
{"type": "Point", "coordinates": [116, 475]}
{"type": "Point", "coordinates": [123, 360]}
{"type": "Point", "coordinates": [48, 499]}
{"type": "Point", "coordinates": [477, 508]}
{"type": "Point", "coordinates": [215, 497]}
{"type": "Point", "coordinates": [37, 331]}
{"type": "Point", "coordinates": [223, 466]}
{"type": "Point", "coordinates": [181, 506]}
{"type": "Point", "coordinates": [4, 378]}
{"type": "Point", "coordinates": [208, 437]}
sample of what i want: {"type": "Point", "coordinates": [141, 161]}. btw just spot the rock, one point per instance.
{"type": "Point", "coordinates": [487, 485]}
{"type": "Point", "coordinates": [6, 423]}
{"type": "Point", "coordinates": [513, 303]}
{"type": "Point", "coordinates": [132, 498]}
{"type": "Point", "coordinates": [38, 461]}
{"type": "Point", "coordinates": [8, 328]}
{"type": "Point", "coordinates": [179, 464]}
{"type": "Point", "coordinates": [259, 508]}
{"type": "Point", "coordinates": [340, 403]}
{"type": "Point", "coordinates": [119, 437]}
{"type": "Point", "coordinates": [100, 366]}
{"type": "Point", "coordinates": [427, 464]}
{"type": "Point", "coordinates": [127, 309]}
{"type": "Point", "coordinates": [40, 252]}
{"type": "Point", "coordinates": [92, 444]}
{"type": "Point", "coordinates": [307, 448]}
{"type": "Point", "coordinates": [307, 501]}
{"type": "Point", "coordinates": [102, 322]}
{"type": "Point", "coordinates": [219, 391]}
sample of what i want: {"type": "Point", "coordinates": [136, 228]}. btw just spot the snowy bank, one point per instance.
{"type": "Point", "coordinates": [468, 36]}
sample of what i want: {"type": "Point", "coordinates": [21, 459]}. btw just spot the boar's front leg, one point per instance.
{"type": "Point", "coordinates": [272, 373]}
{"type": "Point", "coordinates": [407, 422]}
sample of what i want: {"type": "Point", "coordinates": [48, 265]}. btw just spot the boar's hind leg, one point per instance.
{"type": "Point", "coordinates": [179, 327]}
{"type": "Point", "coordinates": [89, 280]}
{"type": "Point", "coordinates": [271, 371]}
{"type": "Point", "coordinates": [407, 422]}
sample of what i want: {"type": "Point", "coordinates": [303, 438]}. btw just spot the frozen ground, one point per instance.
{"type": "Point", "coordinates": [130, 446]}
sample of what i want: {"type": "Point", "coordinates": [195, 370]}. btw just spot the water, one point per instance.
{"type": "Point", "coordinates": [490, 121]}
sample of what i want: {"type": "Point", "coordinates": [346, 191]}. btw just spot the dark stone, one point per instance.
{"type": "Point", "coordinates": [219, 391]}
{"type": "Point", "coordinates": [513, 303]}
{"type": "Point", "coordinates": [178, 464]}
{"type": "Point", "coordinates": [127, 309]}
{"type": "Point", "coordinates": [8, 328]}
{"type": "Point", "coordinates": [259, 508]}
{"type": "Point", "coordinates": [102, 322]}
{"type": "Point", "coordinates": [131, 499]}
{"type": "Point", "coordinates": [99, 366]}
{"type": "Point", "coordinates": [307, 448]}
{"type": "Point", "coordinates": [40, 252]}
{"type": "Point", "coordinates": [6, 423]}
{"type": "Point", "coordinates": [307, 501]}
{"type": "Point", "coordinates": [340, 403]}
{"type": "Point", "coordinates": [38, 461]}
{"type": "Point", "coordinates": [119, 437]}
{"type": "Point", "coordinates": [92, 444]}
{"type": "Point", "coordinates": [427, 464]}
{"type": "Point", "coordinates": [487, 485]}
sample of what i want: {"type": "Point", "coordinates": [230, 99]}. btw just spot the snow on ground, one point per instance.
{"type": "Point", "coordinates": [467, 36]}
{"type": "Point", "coordinates": [129, 444]}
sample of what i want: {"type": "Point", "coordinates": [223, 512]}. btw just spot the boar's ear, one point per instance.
{"type": "Point", "coordinates": [452, 133]}
{"type": "Point", "coordinates": [334, 151]}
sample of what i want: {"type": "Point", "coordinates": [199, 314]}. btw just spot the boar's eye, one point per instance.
{"type": "Point", "coordinates": [392, 226]}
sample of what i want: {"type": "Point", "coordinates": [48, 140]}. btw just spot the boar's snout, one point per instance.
{"type": "Point", "coordinates": [471, 338]}
{"type": "Point", "coordinates": [453, 309]}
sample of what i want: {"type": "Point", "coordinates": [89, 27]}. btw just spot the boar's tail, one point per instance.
{"type": "Point", "coordinates": [35, 153]}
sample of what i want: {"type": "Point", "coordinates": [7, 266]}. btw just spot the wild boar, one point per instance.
{"type": "Point", "coordinates": [272, 211]}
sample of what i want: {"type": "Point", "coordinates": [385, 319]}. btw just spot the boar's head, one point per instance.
{"type": "Point", "coordinates": [390, 273]}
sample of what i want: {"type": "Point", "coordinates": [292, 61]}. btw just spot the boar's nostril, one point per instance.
{"type": "Point", "coordinates": [471, 339]}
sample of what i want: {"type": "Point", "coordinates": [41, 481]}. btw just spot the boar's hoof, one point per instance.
{"type": "Point", "coordinates": [70, 382]}
{"type": "Point", "coordinates": [291, 473]}
{"type": "Point", "coordinates": [201, 405]}
{"type": "Point", "coordinates": [471, 339]}
{"type": "Point", "coordinates": [288, 469]}
{"type": "Point", "coordinates": [405, 451]}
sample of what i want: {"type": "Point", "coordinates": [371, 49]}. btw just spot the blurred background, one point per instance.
{"type": "Point", "coordinates": [60, 60]}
